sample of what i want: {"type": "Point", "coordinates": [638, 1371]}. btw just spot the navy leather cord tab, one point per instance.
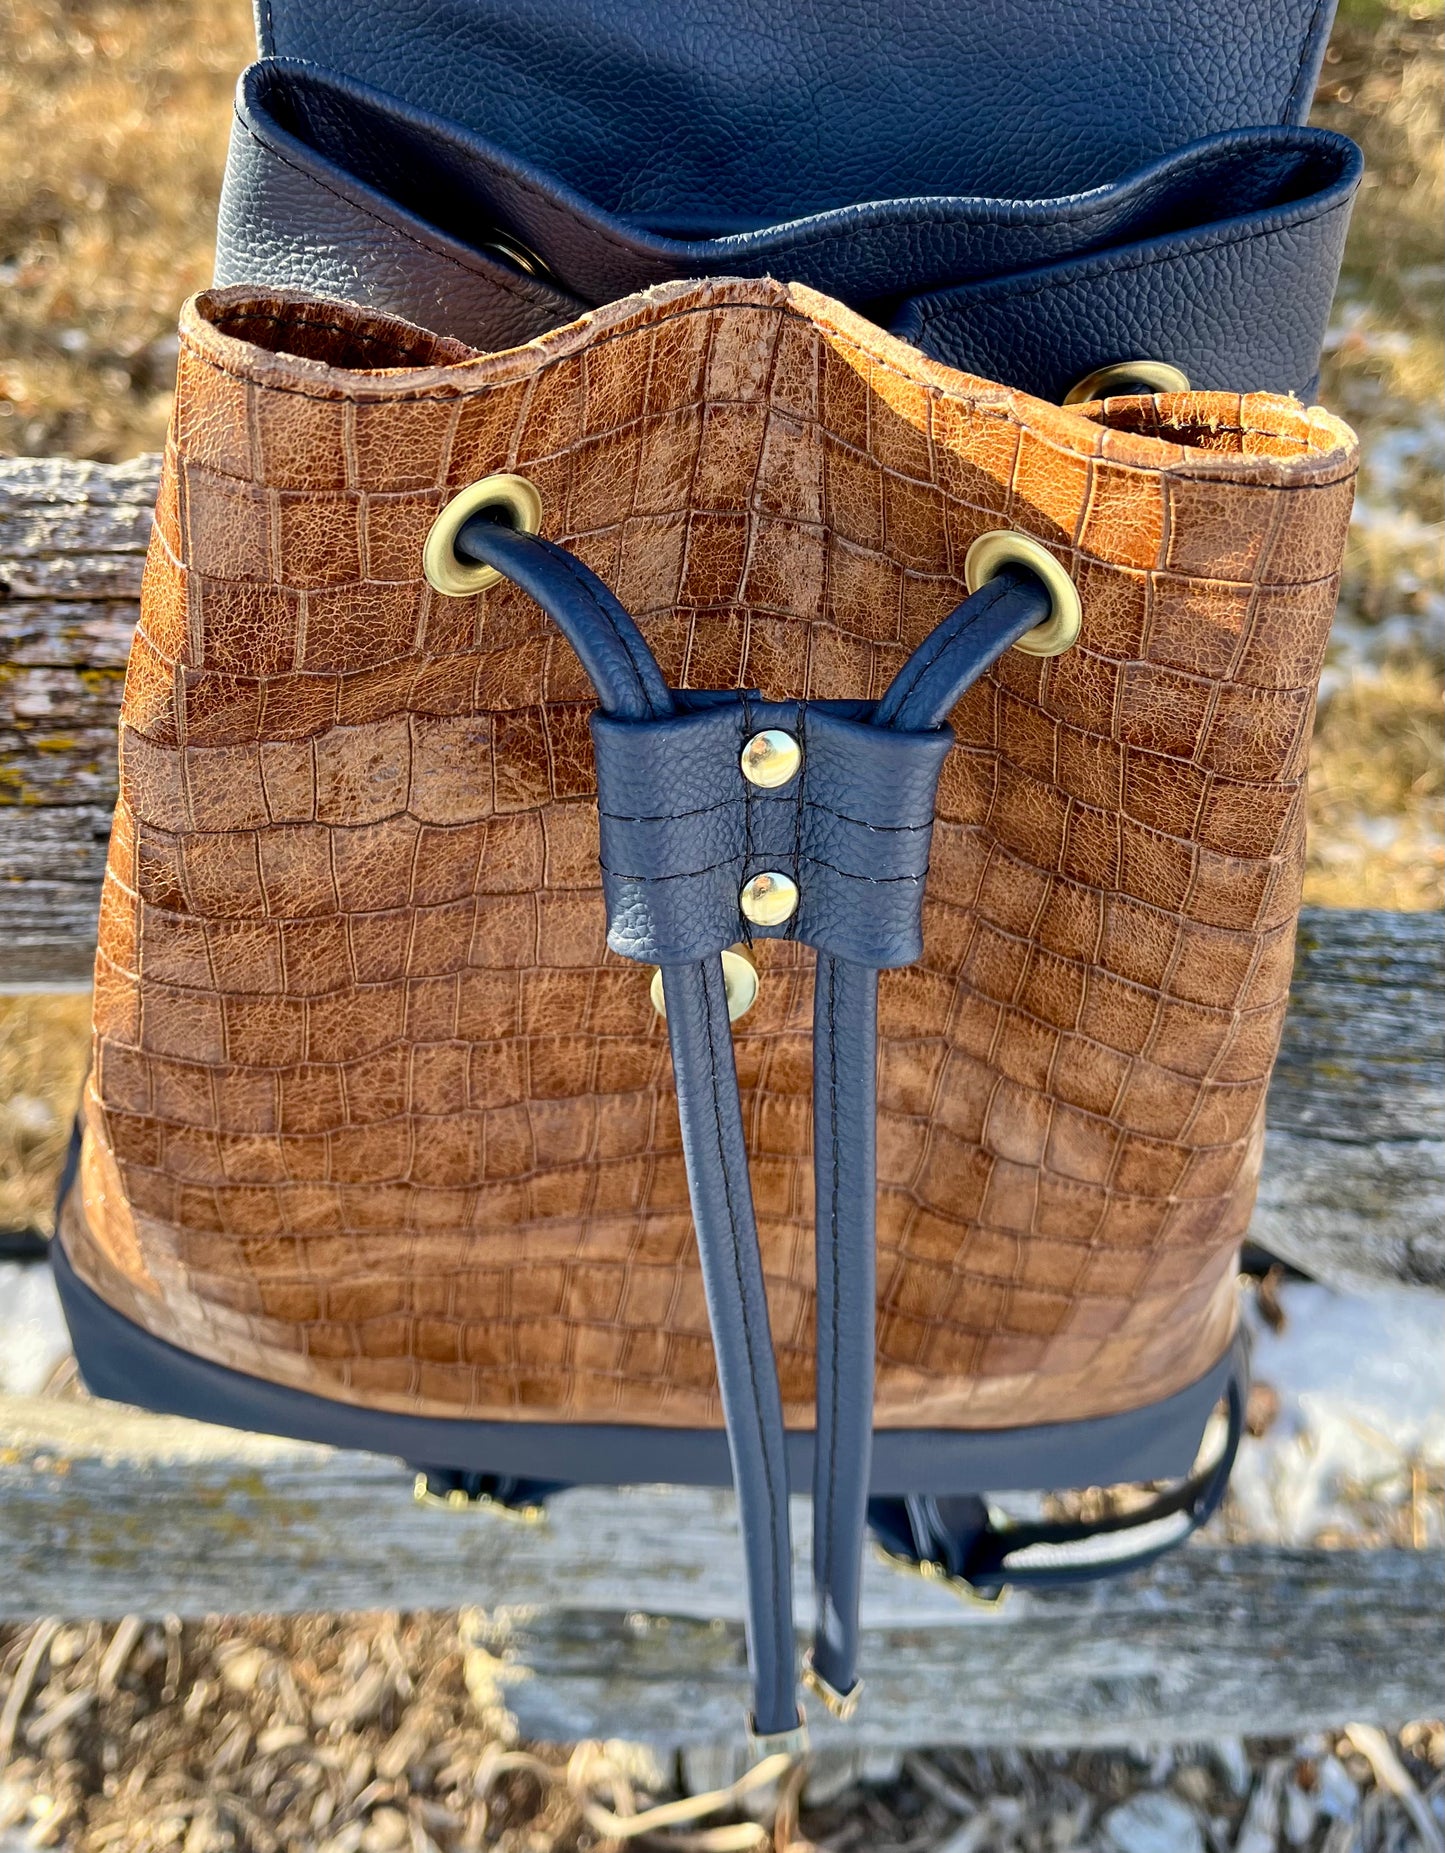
{"type": "Point", "coordinates": [845, 1120]}
{"type": "Point", "coordinates": [845, 1056]}
{"type": "Point", "coordinates": [715, 1151]}
{"type": "Point", "coordinates": [682, 830]}
{"type": "Point", "coordinates": [632, 692]}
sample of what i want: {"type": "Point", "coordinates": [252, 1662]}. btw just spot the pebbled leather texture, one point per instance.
{"type": "Point", "coordinates": [681, 831]}
{"type": "Point", "coordinates": [376, 1114]}
{"type": "Point", "coordinates": [340, 188]}
{"type": "Point", "coordinates": [723, 117]}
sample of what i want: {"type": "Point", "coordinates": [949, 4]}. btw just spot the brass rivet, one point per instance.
{"type": "Point", "coordinates": [513, 497]}
{"type": "Point", "coordinates": [1131, 377]}
{"type": "Point", "coordinates": [740, 981]}
{"type": "Point", "coordinates": [771, 758]}
{"type": "Point", "coordinates": [769, 899]}
{"type": "Point", "coordinates": [991, 552]}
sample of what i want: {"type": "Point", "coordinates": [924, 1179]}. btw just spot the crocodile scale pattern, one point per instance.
{"type": "Point", "coordinates": [374, 1112]}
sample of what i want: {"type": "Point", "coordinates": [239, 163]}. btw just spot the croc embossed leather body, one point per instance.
{"type": "Point", "coordinates": [376, 1114]}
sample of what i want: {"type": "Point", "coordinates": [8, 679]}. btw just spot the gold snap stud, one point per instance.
{"type": "Point", "coordinates": [990, 553]}
{"type": "Point", "coordinates": [512, 498]}
{"type": "Point", "coordinates": [771, 758]}
{"type": "Point", "coordinates": [769, 899]}
{"type": "Point", "coordinates": [1127, 377]}
{"type": "Point", "coordinates": [740, 981]}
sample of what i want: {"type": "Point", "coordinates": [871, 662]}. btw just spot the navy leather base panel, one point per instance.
{"type": "Point", "coordinates": [124, 1363]}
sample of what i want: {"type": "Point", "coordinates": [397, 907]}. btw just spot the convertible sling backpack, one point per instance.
{"type": "Point", "coordinates": [1031, 190]}
{"type": "Point", "coordinates": [501, 726]}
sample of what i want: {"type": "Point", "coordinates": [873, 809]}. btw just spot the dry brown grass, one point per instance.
{"type": "Point", "coordinates": [44, 1051]}
{"type": "Point", "coordinates": [1375, 810]}
{"type": "Point", "coordinates": [113, 123]}
{"type": "Point", "coordinates": [1375, 793]}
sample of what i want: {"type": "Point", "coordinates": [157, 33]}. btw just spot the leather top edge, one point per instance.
{"type": "Point", "coordinates": [258, 80]}
{"type": "Point", "coordinates": [435, 366]}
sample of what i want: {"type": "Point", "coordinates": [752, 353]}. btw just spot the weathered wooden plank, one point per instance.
{"type": "Point", "coordinates": [74, 530]}
{"type": "Point", "coordinates": [622, 1615]}
{"type": "Point", "coordinates": [1210, 1643]}
{"type": "Point", "coordinates": [75, 634]}
{"type": "Point", "coordinates": [1363, 1055]}
{"type": "Point", "coordinates": [72, 544]}
{"type": "Point", "coordinates": [1354, 1214]}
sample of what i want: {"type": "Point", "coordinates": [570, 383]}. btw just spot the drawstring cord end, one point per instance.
{"type": "Point", "coordinates": [840, 1705]}
{"type": "Point", "coordinates": [791, 1743]}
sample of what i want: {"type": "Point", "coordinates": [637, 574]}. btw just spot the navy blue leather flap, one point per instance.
{"type": "Point", "coordinates": [720, 117]}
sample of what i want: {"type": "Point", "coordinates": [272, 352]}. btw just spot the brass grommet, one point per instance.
{"type": "Point", "coordinates": [990, 553]}
{"type": "Point", "coordinates": [513, 496]}
{"type": "Point", "coordinates": [1130, 377]}
{"type": "Point", "coordinates": [769, 899]}
{"type": "Point", "coordinates": [740, 981]}
{"type": "Point", "coordinates": [771, 758]}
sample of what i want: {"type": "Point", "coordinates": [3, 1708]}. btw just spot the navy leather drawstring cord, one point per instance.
{"type": "Point", "coordinates": [630, 687]}
{"type": "Point", "coordinates": [845, 1112]}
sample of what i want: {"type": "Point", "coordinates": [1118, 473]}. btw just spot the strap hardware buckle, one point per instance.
{"type": "Point", "coordinates": [457, 1499]}
{"type": "Point", "coordinates": [931, 1571]}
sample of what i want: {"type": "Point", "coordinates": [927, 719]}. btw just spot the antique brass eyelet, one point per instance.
{"type": "Point", "coordinates": [990, 553]}
{"type": "Point", "coordinates": [513, 498]}
{"type": "Point", "coordinates": [740, 981]}
{"type": "Point", "coordinates": [1130, 377]}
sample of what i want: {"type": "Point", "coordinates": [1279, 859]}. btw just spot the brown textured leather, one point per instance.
{"type": "Point", "coordinates": [374, 1112]}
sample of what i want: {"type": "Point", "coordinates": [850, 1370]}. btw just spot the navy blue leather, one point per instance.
{"type": "Point", "coordinates": [716, 1153]}
{"type": "Point", "coordinates": [726, 116]}
{"type": "Point", "coordinates": [845, 1122]}
{"type": "Point", "coordinates": [1238, 303]}
{"type": "Point", "coordinates": [337, 187]}
{"type": "Point", "coordinates": [682, 830]}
